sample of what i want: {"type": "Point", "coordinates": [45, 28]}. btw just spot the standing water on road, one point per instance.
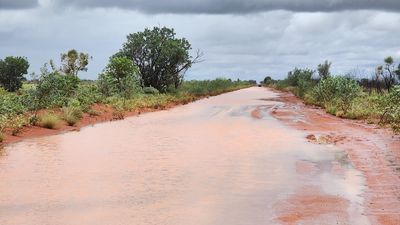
{"type": "Point", "coordinates": [211, 162]}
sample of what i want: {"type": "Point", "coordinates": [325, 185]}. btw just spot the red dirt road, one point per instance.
{"type": "Point", "coordinates": [248, 157]}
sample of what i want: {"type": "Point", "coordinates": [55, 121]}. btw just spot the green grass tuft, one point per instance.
{"type": "Point", "coordinates": [49, 121]}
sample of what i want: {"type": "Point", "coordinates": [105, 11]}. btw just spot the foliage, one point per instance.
{"type": "Point", "coordinates": [268, 81]}
{"type": "Point", "coordinates": [17, 123]}
{"type": "Point", "coordinates": [150, 91]}
{"type": "Point", "coordinates": [387, 73]}
{"type": "Point", "coordinates": [12, 71]}
{"type": "Point", "coordinates": [87, 95]}
{"type": "Point", "coordinates": [11, 104]}
{"type": "Point", "coordinates": [162, 58]}
{"type": "Point", "coordinates": [391, 108]}
{"type": "Point", "coordinates": [3, 124]}
{"type": "Point", "coordinates": [212, 87]}
{"type": "Point", "coordinates": [71, 114]}
{"type": "Point", "coordinates": [54, 90]}
{"type": "Point", "coordinates": [298, 75]}
{"type": "Point", "coordinates": [324, 70]}
{"type": "Point", "coordinates": [49, 120]}
{"type": "Point", "coordinates": [337, 91]}
{"type": "Point", "coordinates": [119, 78]}
{"type": "Point", "coordinates": [72, 62]}
{"type": "Point", "coordinates": [300, 79]}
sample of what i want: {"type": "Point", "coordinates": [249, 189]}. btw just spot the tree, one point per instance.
{"type": "Point", "coordinates": [119, 77]}
{"type": "Point", "coordinates": [387, 73]}
{"type": "Point", "coordinates": [72, 62]}
{"type": "Point", "coordinates": [12, 71]}
{"type": "Point", "coordinates": [324, 69]}
{"type": "Point", "coordinates": [398, 73]}
{"type": "Point", "coordinates": [268, 80]}
{"type": "Point", "coordinates": [162, 58]}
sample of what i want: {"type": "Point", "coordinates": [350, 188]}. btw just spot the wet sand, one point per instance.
{"type": "Point", "coordinates": [229, 159]}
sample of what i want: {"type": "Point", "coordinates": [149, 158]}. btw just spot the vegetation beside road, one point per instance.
{"type": "Point", "coordinates": [376, 100]}
{"type": "Point", "coordinates": [147, 73]}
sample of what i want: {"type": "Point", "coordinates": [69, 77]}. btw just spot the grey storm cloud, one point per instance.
{"type": "Point", "coordinates": [236, 6]}
{"type": "Point", "coordinates": [18, 4]}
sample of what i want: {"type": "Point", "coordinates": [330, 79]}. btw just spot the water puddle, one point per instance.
{"type": "Point", "coordinates": [209, 162]}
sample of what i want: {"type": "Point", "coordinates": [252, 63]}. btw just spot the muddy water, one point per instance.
{"type": "Point", "coordinates": [211, 162]}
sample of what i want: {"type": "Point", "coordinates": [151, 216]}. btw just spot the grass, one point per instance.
{"type": "Point", "coordinates": [49, 120]}
{"type": "Point", "coordinates": [344, 97]}
{"type": "Point", "coordinates": [71, 115]}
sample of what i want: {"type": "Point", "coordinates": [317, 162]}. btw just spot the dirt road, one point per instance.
{"type": "Point", "coordinates": [247, 157]}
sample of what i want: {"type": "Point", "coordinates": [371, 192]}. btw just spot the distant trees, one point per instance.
{"type": "Point", "coordinates": [162, 58]}
{"type": "Point", "coordinates": [12, 71]}
{"type": "Point", "coordinates": [324, 69]}
{"type": "Point", "coordinates": [268, 80]}
{"type": "Point", "coordinates": [72, 62]}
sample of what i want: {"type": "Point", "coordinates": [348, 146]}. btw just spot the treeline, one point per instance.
{"type": "Point", "coordinates": [148, 72]}
{"type": "Point", "coordinates": [376, 100]}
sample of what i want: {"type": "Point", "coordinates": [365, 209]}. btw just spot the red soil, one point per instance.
{"type": "Point", "coordinates": [372, 150]}
{"type": "Point", "coordinates": [309, 204]}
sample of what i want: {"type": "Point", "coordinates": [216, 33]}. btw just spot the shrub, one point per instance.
{"type": "Point", "coordinates": [150, 90]}
{"type": "Point", "coordinates": [120, 77]}
{"type": "Point", "coordinates": [3, 121]}
{"type": "Point", "coordinates": [17, 123]}
{"type": "Point", "coordinates": [54, 90]}
{"type": "Point", "coordinates": [71, 115]}
{"type": "Point", "coordinates": [49, 121]}
{"type": "Point", "coordinates": [87, 95]}
{"type": "Point", "coordinates": [118, 110]}
{"type": "Point", "coordinates": [390, 108]}
{"type": "Point", "coordinates": [126, 87]}
{"type": "Point", "coordinates": [338, 91]}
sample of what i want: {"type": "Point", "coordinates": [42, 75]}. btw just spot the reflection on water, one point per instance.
{"type": "Point", "coordinates": [208, 162]}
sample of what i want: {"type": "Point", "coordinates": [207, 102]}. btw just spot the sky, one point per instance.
{"type": "Point", "coordinates": [246, 39]}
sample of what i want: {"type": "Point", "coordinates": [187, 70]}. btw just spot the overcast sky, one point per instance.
{"type": "Point", "coordinates": [245, 39]}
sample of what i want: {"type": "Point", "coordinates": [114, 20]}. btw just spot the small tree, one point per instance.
{"type": "Point", "coordinates": [12, 71]}
{"type": "Point", "coordinates": [268, 80]}
{"type": "Point", "coordinates": [162, 58]}
{"type": "Point", "coordinates": [120, 77]}
{"type": "Point", "coordinates": [388, 73]}
{"type": "Point", "coordinates": [324, 70]}
{"type": "Point", "coordinates": [72, 62]}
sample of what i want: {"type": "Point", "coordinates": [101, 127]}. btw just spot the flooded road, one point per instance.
{"type": "Point", "coordinates": [212, 162]}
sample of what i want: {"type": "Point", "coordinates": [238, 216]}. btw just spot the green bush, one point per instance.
{"type": "Point", "coordinates": [87, 95]}
{"type": "Point", "coordinates": [390, 107]}
{"type": "Point", "coordinates": [336, 91]}
{"type": "Point", "coordinates": [3, 123]}
{"type": "Point", "coordinates": [150, 91]}
{"type": "Point", "coordinates": [17, 123]}
{"type": "Point", "coordinates": [126, 87]}
{"type": "Point", "coordinates": [49, 121]}
{"type": "Point", "coordinates": [54, 90]}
